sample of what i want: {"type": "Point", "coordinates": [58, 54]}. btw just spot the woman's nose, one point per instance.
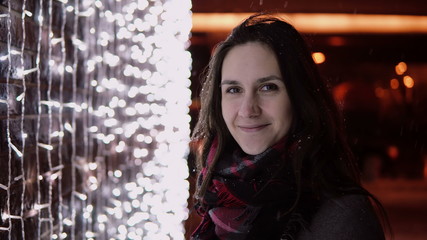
{"type": "Point", "coordinates": [249, 107]}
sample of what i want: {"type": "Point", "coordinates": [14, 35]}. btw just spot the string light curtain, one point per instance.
{"type": "Point", "coordinates": [94, 111]}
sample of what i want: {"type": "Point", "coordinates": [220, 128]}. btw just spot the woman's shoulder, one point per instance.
{"type": "Point", "coordinates": [345, 217]}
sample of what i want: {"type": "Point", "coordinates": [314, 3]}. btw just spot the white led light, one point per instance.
{"type": "Point", "coordinates": [130, 111]}
{"type": "Point", "coordinates": [69, 69]}
{"type": "Point", "coordinates": [119, 130]}
{"type": "Point", "coordinates": [120, 147]}
{"type": "Point", "coordinates": [98, 3]}
{"type": "Point", "coordinates": [148, 140]}
{"type": "Point", "coordinates": [133, 91]}
{"type": "Point", "coordinates": [110, 122]}
{"type": "Point", "coordinates": [68, 222]}
{"type": "Point", "coordinates": [140, 137]}
{"type": "Point", "coordinates": [117, 173]}
{"type": "Point", "coordinates": [121, 103]}
{"type": "Point", "coordinates": [112, 80]}
{"type": "Point", "coordinates": [116, 192]}
{"type": "Point", "coordinates": [93, 166]}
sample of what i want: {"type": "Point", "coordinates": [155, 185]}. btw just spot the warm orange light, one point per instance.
{"type": "Point", "coordinates": [379, 92]}
{"type": "Point", "coordinates": [340, 91]}
{"type": "Point", "coordinates": [318, 57]}
{"type": "Point", "coordinates": [336, 41]}
{"type": "Point", "coordinates": [425, 166]}
{"type": "Point", "coordinates": [401, 68]}
{"type": "Point", "coordinates": [393, 152]}
{"type": "Point", "coordinates": [320, 22]}
{"type": "Point", "coordinates": [408, 81]}
{"type": "Point", "coordinates": [394, 83]}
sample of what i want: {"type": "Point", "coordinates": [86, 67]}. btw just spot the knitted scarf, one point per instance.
{"type": "Point", "coordinates": [242, 188]}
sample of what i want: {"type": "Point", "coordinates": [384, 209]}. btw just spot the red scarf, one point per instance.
{"type": "Point", "coordinates": [241, 186]}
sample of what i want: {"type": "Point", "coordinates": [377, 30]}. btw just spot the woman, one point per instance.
{"type": "Point", "coordinates": [273, 162]}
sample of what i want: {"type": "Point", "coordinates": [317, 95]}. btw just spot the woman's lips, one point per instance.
{"type": "Point", "coordinates": [253, 128]}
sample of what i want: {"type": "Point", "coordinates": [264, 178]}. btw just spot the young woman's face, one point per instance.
{"type": "Point", "coordinates": [255, 104]}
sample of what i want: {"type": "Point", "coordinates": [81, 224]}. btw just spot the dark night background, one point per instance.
{"type": "Point", "coordinates": [386, 127]}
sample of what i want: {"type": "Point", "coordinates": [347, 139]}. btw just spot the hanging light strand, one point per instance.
{"type": "Point", "coordinates": [23, 135]}
{"type": "Point", "coordinates": [39, 21]}
{"type": "Point", "coordinates": [9, 140]}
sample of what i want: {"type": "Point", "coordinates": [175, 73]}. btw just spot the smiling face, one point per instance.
{"type": "Point", "coordinates": [255, 104]}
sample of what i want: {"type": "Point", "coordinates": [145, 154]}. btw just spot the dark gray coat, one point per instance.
{"type": "Point", "coordinates": [350, 217]}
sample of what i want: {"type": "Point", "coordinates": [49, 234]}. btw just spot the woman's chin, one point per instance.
{"type": "Point", "coordinates": [253, 150]}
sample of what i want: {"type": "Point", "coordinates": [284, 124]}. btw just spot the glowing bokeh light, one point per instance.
{"type": "Point", "coordinates": [408, 81]}
{"type": "Point", "coordinates": [394, 83]}
{"type": "Point", "coordinates": [401, 68]}
{"type": "Point", "coordinates": [318, 57]}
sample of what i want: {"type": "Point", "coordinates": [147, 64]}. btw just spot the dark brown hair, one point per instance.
{"type": "Point", "coordinates": [323, 155]}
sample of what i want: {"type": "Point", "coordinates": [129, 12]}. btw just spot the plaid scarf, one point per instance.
{"type": "Point", "coordinates": [242, 185]}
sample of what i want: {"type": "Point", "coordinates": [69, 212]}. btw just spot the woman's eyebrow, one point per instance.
{"type": "Point", "coordinates": [260, 80]}
{"type": "Point", "coordinates": [229, 82]}
{"type": "Point", "coordinates": [268, 78]}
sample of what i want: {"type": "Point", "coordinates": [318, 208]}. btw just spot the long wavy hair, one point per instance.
{"type": "Point", "coordinates": [322, 161]}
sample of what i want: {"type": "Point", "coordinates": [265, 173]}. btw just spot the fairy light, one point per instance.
{"type": "Point", "coordinates": [14, 148]}
{"type": "Point", "coordinates": [49, 143]}
{"type": "Point", "coordinates": [21, 98]}
{"type": "Point", "coordinates": [8, 137]}
{"type": "Point", "coordinates": [39, 109]}
{"type": "Point", "coordinates": [61, 41]}
{"type": "Point", "coordinates": [117, 102]}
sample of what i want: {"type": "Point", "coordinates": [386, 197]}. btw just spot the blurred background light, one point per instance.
{"type": "Point", "coordinates": [320, 22]}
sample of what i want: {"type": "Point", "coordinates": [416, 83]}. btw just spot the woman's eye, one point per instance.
{"type": "Point", "coordinates": [269, 87]}
{"type": "Point", "coordinates": [232, 90]}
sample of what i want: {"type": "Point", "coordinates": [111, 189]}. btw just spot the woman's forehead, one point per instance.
{"type": "Point", "coordinates": [251, 60]}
